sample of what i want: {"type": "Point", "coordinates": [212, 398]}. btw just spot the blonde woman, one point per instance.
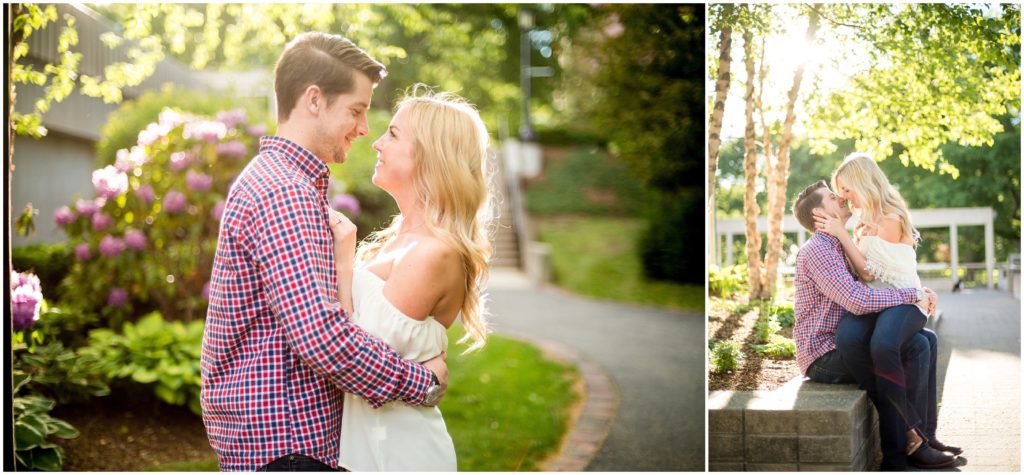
{"type": "Point", "coordinates": [882, 252]}
{"type": "Point", "coordinates": [413, 279]}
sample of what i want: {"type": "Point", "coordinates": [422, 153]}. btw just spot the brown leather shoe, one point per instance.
{"type": "Point", "coordinates": [945, 448]}
{"type": "Point", "coordinates": [927, 457]}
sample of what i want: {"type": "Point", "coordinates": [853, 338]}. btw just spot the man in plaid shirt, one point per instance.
{"type": "Point", "coordinates": [835, 314]}
{"type": "Point", "coordinates": [279, 350]}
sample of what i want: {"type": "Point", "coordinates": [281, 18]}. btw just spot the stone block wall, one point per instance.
{"type": "Point", "coordinates": [803, 426]}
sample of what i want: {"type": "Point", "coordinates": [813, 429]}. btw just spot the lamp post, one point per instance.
{"type": "Point", "coordinates": [525, 26]}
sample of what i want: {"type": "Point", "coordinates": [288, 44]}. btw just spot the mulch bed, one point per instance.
{"type": "Point", "coordinates": [132, 430]}
{"type": "Point", "coordinates": [754, 372]}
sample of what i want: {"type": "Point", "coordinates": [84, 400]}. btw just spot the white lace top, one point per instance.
{"type": "Point", "coordinates": [894, 265]}
{"type": "Point", "coordinates": [397, 437]}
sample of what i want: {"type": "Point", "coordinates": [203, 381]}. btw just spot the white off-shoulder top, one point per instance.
{"type": "Point", "coordinates": [894, 265]}
{"type": "Point", "coordinates": [397, 437]}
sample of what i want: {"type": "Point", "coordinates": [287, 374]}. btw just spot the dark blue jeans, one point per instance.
{"type": "Point", "coordinates": [893, 358]}
{"type": "Point", "coordinates": [296, 463]}
{"type": "Point", "coordinates": [830, 369]}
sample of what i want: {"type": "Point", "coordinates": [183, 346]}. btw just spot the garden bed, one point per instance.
{"type": "Point", "coordinates": [733, 320]}
{"type": "Point", "coordinates": [132, 430]}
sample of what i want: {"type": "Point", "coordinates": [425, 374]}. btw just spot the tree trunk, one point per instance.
{"type": "Point", "coordinates": [779, 175]}
{"type": "Point", "coordinates": [715, 124]}
{"type": "Point", "coordinates": [750, 209]}
{"type": "Point", "coordinates": [721, 92]}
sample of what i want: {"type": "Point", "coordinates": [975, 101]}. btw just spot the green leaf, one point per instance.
{"type": "Point", "coordinates": [61, 429]}
{"type": "Point", "coordinates": [28, 433]}
{"type": "Point", "coordinates": [144, 375]}
{"type": "Point", "coordinates": [49, 459]}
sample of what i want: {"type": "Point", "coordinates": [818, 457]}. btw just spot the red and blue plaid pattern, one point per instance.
{"type": "Point", "coordinates": [278, 350]}
{"type": "Point", "coordinates": [824, 287]}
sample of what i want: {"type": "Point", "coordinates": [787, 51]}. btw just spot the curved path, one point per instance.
{"type": "Point", "coordinates": [655, 358]}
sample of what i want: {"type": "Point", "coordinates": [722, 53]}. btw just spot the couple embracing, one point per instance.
{"type": "Point", "coordinates": [319, 354]}
{"type": "Point", "coordinates": [861, 310]}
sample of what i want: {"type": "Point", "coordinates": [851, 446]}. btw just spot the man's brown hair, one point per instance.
{"type": "Point", "coordinates": [321, 59]}
{"type": "Point", "coordinates": [806, 201]}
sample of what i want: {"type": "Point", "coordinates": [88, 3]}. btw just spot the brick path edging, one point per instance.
{"type": "Point", "coordinates": [601, 403]}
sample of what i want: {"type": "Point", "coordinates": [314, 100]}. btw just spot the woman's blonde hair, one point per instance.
{"type": "Point", "coordinates": [450, 178]}
{"type": "Point", "coordinates": [877, 197]}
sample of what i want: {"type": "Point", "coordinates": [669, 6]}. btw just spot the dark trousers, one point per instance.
{"type": "Point", "coordinates": [296, 463]}
{"type": "Point", "coordinates": [893, 358]}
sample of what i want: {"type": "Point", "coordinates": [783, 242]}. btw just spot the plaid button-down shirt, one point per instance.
{"type": "Point", "coordinates": [278, 350]}
{"type": "Point", "coordinates": [824, 287]}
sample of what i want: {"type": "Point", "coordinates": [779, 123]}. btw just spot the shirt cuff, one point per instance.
{"type": "Point", "coordinates": [413, 388]}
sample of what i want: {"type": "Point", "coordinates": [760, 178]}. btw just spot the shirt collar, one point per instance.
{"type": "Point", "coordinates": [303, 159]}
{"type": "Point", "coordinates": [828, 238]}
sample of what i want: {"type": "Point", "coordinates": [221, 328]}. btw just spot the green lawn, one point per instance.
{"type": "Point", "coordinates": [596, 256]}
{"type": "Point", "coordinates": [507, 407]}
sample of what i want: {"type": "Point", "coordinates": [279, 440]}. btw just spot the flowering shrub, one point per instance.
{"type": "Point", "coordinates": [146, 239]}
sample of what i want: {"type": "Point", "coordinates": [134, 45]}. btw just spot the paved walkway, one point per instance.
{"type": "Point", "coordinates": [655, 358]}
{"type": "Point", "coordinates": [979, 378]}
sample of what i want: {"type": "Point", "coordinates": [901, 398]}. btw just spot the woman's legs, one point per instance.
{"type": "Point", "coordinates": [894, 328]}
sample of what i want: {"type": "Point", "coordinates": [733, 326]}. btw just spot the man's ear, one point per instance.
{"type": "Point", "coordinates": [313, 100]}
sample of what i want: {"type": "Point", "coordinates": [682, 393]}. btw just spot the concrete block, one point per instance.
{"type": "Point", "coordinates": [811, 422]}
{"type": "Point", "coordinates": [725, 447]}
{"type": "Point", "coordinates": [772, 449]}
{"type": "Point", "coordinates": [727, 421]}
{"type": "Point", "coordinates": [770, 422]}
{"type": "Point", "coordinates": [831, 449]}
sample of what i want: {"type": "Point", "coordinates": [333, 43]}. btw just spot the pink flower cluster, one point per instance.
{"type": "Point", "coordinates": [128, 160]}
{"type": "Point", "coordinates": [346, 202]}
{"type": "Point", "coordinates": [117, 297]}
{"type": "Point", "coordinates": [196, 181]}
{"type": "Point", "coordinates": [208, 130]}
{"type": "Point", "coordinates": [175, 202]}
{"type": "Point", "coordinates": [109, 182]}
{"type": "Point", "coordinates": [232, 118]}
{"type": "Point", "coordinates": [111, 246]}
{"type": "Point", "coordinates": [232, 148]}
{"type": "Point", "coordinates": [181, 160]}
{"type": "Point", "coordinates": [26, 298]}
{"type": "Point", "coordinates": [64, 216]}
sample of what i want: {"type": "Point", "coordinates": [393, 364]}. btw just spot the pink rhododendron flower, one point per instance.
{"type": "Point", "coordinates": [175, 202]}
{"type": "Point", "coordinates": [346, 202]}
{"type": "Point", "coordinates": [87, 207]}
{"type": "Point", "coordinates": [135, 239]}
{"type": "Point", "coordinates": [231, 118]}
{"type": "Point", "coordinates": [111, 246]}
{"type": "Point", "coordinates": [171, 118]}
{"type": "Point", "coordinates": [26, 298]}
{"type": "Point", "coordinates": [146, 194]}
{"type": "Point", "coordinates": [256, 130]}
{"type": "Point", "coordinates": [25, 305]}
{"type": "Point", "coordinates": [117, 297]}
{"type": "Point", "coordinates": [208, 130]}
{"type": "Point", "coordinates": [128, 160]}
{"type": "Point", "coordinates": [181, 160]}
{"type": "Point", "coordinates": [82, 252]}
{"type": "Point", "coordinates": [109, 182]}
{"type": "Point", "coordinates": [64, 216]}
{"type": "Point", "coordinates": [232, 148]}
{"type": "Point", "coordinates": [218, 210]}
{"type": "Point", "coordinates": [101, 221]}
{"type": "Point", "coordinates": [196, 181]}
